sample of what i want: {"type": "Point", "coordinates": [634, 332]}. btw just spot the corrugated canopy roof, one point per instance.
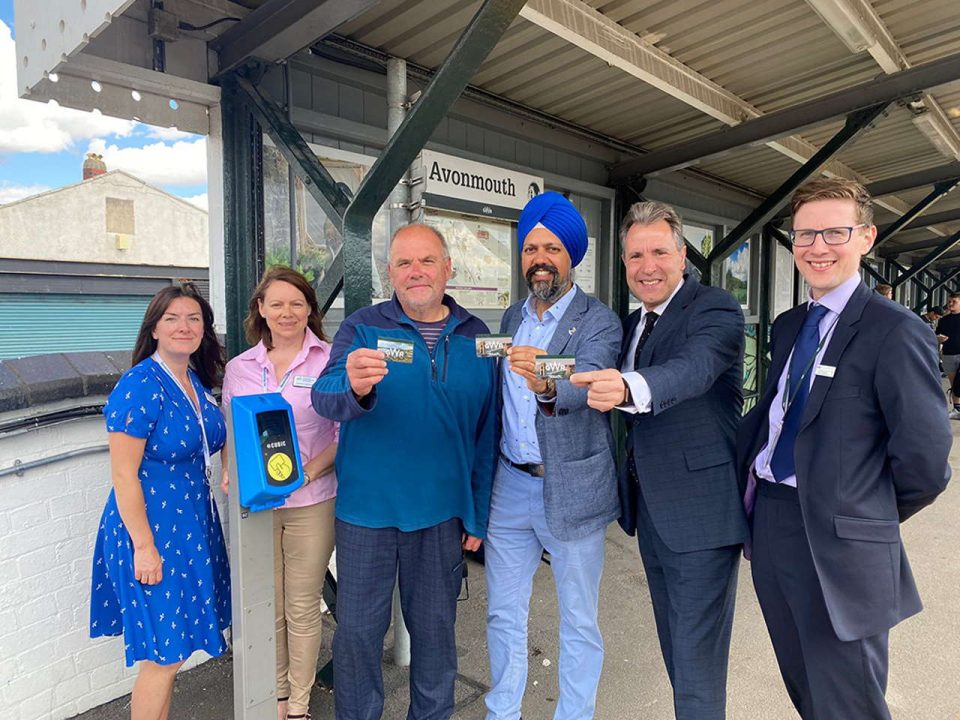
{"type": "Point", "coordinates": [733, 57]}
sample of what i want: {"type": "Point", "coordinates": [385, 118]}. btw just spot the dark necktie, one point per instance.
{"type": "Point", "coordinates": [648, 322]}
{"type": "Point", "coordinates": [797, 392]}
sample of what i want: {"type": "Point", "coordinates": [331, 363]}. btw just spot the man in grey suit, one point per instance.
{"type": "Point", "coordinates": [556, 484]}
{"type": "Point", "coordinates": [850, 439]}
{"type": "Point", "coordinates": [680, 384]}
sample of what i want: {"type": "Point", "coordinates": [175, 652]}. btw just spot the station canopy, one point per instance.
{"type": "Point", "coordinates": [737, 92]}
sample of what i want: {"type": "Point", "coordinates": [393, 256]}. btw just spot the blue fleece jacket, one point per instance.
{"type": "Point", "coordinates": [421, 448]}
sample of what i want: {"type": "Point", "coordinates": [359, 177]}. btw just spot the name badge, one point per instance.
{"type": "Point", "coordinates": [210, 398]}
{"type": "Point", "coordinates": [303, 381]}
{"type": "Point", "coordinates": [827, 371]}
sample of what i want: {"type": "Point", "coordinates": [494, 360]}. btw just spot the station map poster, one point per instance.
{"type": "Point", "coordinates": [481, 250]}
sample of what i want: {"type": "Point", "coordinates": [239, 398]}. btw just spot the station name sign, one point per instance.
{"type": "Point", "coordinates": [453, 183]}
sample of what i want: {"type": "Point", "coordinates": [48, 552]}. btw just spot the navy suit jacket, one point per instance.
{"type": "Point", "coordinates": [683, 450]}
{"type": "Point", "coordinates": [871, 451]}
{"type": "Point", "coordinates": [576, 443]}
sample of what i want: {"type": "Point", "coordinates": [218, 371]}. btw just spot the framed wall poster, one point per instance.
{"type": "Point", "coordinates": [481, 250]}
{"type": "Point", "coordinates": [699, 238]}
{"type": "Point", "coordinates": [782, 299]}
{"type": "Point", "coordinates": [735, 278]}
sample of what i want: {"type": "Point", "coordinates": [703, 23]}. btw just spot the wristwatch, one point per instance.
{"type": "Point", "coordinates": [306, 478]}
{"type": "Point", "coordinates": [550, 391]}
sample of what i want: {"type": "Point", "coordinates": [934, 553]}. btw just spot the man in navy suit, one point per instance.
{"type": "Point", "coordinates": [680, 383]}
{"type": "Point", "coordinates": [850, 439]}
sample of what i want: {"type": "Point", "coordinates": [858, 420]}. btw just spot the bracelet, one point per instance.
{"type": "Point", "coordinates": [306, 478]}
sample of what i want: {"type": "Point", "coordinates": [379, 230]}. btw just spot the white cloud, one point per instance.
{"type": "Point", "coordinates": [28, 126]}
{"type": "Point", "coordinates": [12, 193]}
{"type": "Point", "coordinates": [168, 134]}
{"type": "Point", "coordinates": [199, 200]}
{"type": "Point", "coordinates": [181, 163]}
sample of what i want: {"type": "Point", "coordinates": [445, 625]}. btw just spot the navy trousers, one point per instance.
{"type": "Point", "coordinates": [693, 595]}
{"type": "Point", "coordinates": [826, 677]}
{"type": "Point", "coordinates": [430, 567]}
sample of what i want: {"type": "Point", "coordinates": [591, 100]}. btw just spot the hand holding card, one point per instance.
{"type": "Point", "coordinates": [365, 368]}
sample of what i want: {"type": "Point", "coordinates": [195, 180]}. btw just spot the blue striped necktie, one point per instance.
{"type": "Point", "coordinates": [801, 365]}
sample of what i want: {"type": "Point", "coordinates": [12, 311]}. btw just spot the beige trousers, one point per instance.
{"type": "Point", "coordinates": [302, 545]}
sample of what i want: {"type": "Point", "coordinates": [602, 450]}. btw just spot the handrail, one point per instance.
{"type": "Point", "coordinates": [19, 468]}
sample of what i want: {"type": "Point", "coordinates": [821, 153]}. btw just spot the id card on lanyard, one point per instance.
{"type": "Point", "coordinates": [207, 467]}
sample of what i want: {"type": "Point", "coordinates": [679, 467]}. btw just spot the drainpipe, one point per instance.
{"type": "Point", "coordinates": [399, 216]}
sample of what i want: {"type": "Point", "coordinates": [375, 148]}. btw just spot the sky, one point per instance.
{"type": "Point", "coordinates": [42, 147]}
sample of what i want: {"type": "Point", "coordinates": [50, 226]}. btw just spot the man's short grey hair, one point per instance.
{"type": "Point", "coordinates": [649, 212]}
{"type": "Point", "coordinates": [436, 233]}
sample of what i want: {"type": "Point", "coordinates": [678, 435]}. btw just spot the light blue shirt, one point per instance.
{"type": "Point", "coordinates": [834, 301]}
{"type": "Point", "coordinates": [519, 440]}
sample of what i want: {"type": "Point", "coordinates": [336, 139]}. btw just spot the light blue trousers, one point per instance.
{"type": "Point", "coordinates": [516, 537]}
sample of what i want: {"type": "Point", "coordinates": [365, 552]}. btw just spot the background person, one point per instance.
{"type": "Point", "coordinates": [948, 333]}
{"type": "Point", "coordinates": [885, 290]}
{"type": "Point", "coordinates": [931, 317]}
{"type": "Point", "coordinates": [415, 465]}
{"type": "Point", "coordinates": [290, 352]}
{"type": "Point", "coordinates": [160, 571]}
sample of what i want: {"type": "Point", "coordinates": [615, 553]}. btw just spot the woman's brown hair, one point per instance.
{"type": "Point", "coordinates": [255, 327]}
{"type": "Point", "coordinates": [207, 361]}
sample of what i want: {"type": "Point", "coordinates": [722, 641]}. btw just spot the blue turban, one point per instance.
{"type": "Point", "coordinates": [559, 216]}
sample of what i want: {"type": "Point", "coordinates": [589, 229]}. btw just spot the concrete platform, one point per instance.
{"type": "Point", "coordinates": [924, 664]}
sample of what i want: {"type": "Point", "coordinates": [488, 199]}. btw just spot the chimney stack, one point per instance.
{"type": "Point", "coordinates": [93, 165]}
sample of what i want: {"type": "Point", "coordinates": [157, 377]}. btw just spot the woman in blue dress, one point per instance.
{"type": "Point", "coordinates": [160, 571]}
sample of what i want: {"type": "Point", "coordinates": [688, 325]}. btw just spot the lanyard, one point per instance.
{"type": "Point", "coordinates": [283, 380]}
{"type": "Point", "coordinates": [785, 402]}
{"type": "Point", "coordinates": [207, 467]}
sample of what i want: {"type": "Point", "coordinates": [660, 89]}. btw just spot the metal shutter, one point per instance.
{"type": "Point", "coordinates": [33, 324]}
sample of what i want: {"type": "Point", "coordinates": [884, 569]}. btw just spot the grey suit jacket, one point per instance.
{"type": "Point", "coordinates": [576, 443]}
{"type": "Point", "coordinates": [871, 451]}
{"type": "Point", "coordinates": [684, 449]}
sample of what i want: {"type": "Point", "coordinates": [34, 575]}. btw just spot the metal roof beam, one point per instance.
{"type": "Point", "coordinates": [861, 28]}
{"type": "Point", "coordinates": [302, 160]}
{"type": "Point", "coordinates": [775, 124]}
{"type": "Point", "coordinates": [587, 28]}
{"type": "Point", "coordinates": [928, 293]}
{"type": "Point", "coordinates": [939, 191]}
{"type": "Point", "coordinates": [918, 179]}
{"type": "Point", "coordinates": [472, 47]}
{"type": "Point", "coordinates": [949, 257]}
{"type": "Point", "coordinates": [856, 123]}
{"type": "Point", "coordinates": [279, 28]}
{"type": "Point", "coordinates": [928, 259]}
{"type": "Point", "coordinates": [924, 221]}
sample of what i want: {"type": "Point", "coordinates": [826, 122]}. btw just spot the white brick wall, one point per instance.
{"type": "Point", "coordinates": [49, 667]}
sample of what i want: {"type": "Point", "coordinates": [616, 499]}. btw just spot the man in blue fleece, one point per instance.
{"type": "Point", "coordinates": [415, 466]}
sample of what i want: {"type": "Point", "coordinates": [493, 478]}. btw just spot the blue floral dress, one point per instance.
{"type": "Point", "coordinates": [190, 607]}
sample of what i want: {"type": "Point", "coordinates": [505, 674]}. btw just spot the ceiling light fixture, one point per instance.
{"type": "Point", "coordinates": [845, 22]}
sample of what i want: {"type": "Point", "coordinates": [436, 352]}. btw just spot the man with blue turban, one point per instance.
{"type": "Point", "coordinates": [556, 486]}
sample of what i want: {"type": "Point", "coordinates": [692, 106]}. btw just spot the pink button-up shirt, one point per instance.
{"type": "Point", "coordinates": [252, 373]}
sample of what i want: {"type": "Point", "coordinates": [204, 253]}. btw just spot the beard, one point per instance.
{"type": "Point", "coordinates": [548, 291]}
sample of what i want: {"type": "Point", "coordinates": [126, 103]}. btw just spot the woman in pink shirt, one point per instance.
{"type": "Point", "coordinates": [291, 350]}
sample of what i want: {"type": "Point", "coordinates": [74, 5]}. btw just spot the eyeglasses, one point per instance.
{"type": "Point", "coordinates": [831, 236]}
